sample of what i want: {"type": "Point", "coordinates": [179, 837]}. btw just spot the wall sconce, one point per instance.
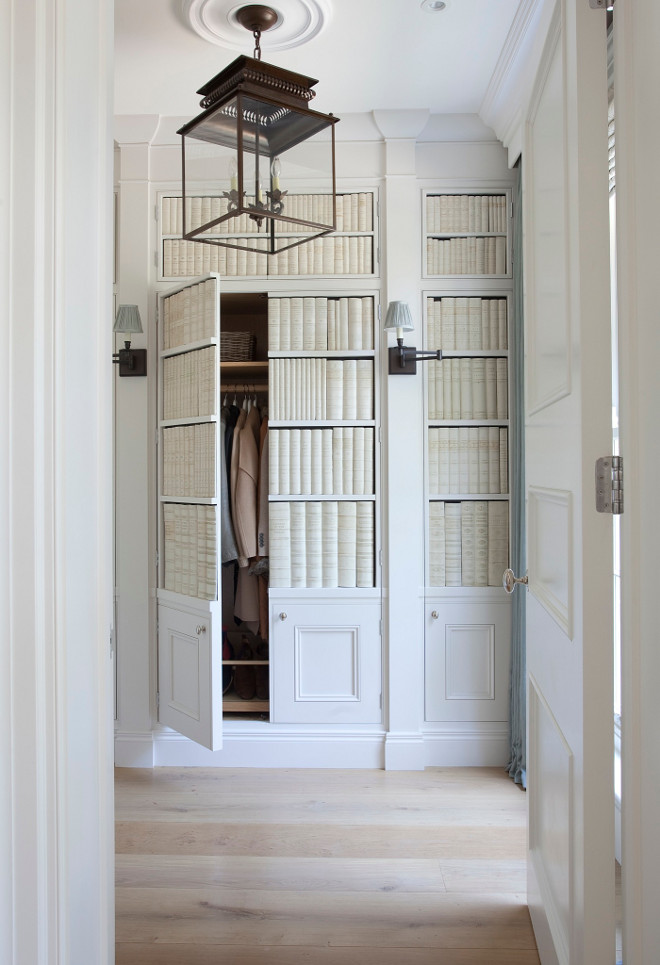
{"type": "Point", "coordinates": [132, 361]}
{"type": "Point", "coordinates": [403, 359]}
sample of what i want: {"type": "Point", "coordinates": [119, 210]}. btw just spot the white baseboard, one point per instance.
{"type": "Point", "coordinates": [269, 745]}
{"type": "Point", "coordinates": [134, 750]}
{"type": "Point", "coordinates": [467, 745]}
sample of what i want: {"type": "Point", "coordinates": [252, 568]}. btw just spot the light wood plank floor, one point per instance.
{"type": "Point", "coordinates": [298, 867]}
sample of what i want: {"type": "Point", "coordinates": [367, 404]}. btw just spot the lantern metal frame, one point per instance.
{"type": "Point", "coordinates": [256, 108]}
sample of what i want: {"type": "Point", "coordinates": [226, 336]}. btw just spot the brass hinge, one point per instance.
{"type": "Point", "coordinates": [609, 485]}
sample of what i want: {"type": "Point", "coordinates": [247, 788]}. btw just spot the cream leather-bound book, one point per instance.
{"type": "Point", "coordinates": [473, 459]}
{"type": "Point", "coordinates": [358, 433]}
{"type": "Point", "coordinates": [321, 382]}
{"type": "Point", "coordinates": [431, 406]}
{"type": "Point", "coordinates": [454, 467]}
{"type": "Point", "coordinates": [447, 396]}
{"type": "Point", "coordinates": [491, 388]}
{"type": "Point", "coordinates": [434, 461]}
{"type": "Point", "coordinates": [298, 544]}
{"type": "Point", "coordinates": [498, 541]}
{"type": "Point", "coordinates": [347, 539]}
{"type": "Point", "coordinates": [342, 332]}
{"type": "Point", "coordinates": [330, 543]}
{"type": "Point", "coordinates": [296, 325]}
{"type": "Point", "coordinates": [503, 342]}
{"type": "Point", "coordinates": [452, 544]}
{"type": "Point", "coordinates": [448, 323]}
{"type": "Point", "coordinates": [338, 461]}
{"type": "Point", "coordinates": [314, 544]}
{"type": "Point", "coordinates": [316, 459]}
{"type": "Point", "coordinates": [321, 324]}
{"type": "Point", "coordinates": [365, 544]}
{"type": "Point", "coordinates": [494, 460]}
{"type": "Point", "coordinates": [326, 435]}
{"type": "Point", "coordinates": [482, 446]}
{"type": "Point", "coordinates": [504, 460]}
{"type": "Point", "coordinates": [295, 474]}
{"type": "Point", "coordinates": [279, 539]}
{"type": "Point", "coordinates": [347, 460]}
{"type": "Point", "coordinates": [367, 322]}
{"type": "Point", "coordinates": [274, 461]}
{"type": "Point", "coordinates": [369, 460]}
{"type": "Point", "coordinates": [285, 325]}
{"type": "Point", "coordinates": [455, 369]}
{"type": "Point", "coordinates": [467, 544]}
{"type": "Point", "coordinates": [502, 388]}
{"type": "Point", "coordinates": [306, 462]}
{"type": "Point", "coordinates": [354, 323]}
{"type": "Point", "coordinates": [494, 324]}
{"type": "Point", "coordinates": [364, 374]}
{"type": "Point", "coordinates": [437, 544]}
{"type": "Point", "coordinates": [465, 370]}
{"type": "Point", "coordinates": [443, 458]}
{"type": "Point", "coordinates": [474, 324]}
{"type": "Point", "coordinates": [480, 543]}
{"type": "Point", "coordinates": [332, 323]}
{"type": "Point", "coordinates": [309, 324]}
{"type": "Point", "coordinates": [334, 390]}
{"type": "Point", "coordinates": [349, 403]}
{"type": "Point", "coordinates": [462, 322]}
{"type": "Point", "coordinates": [463, 459]}
{"type": "Point", "coordinates": [274, 389]}
{"type": "Point", "coordinates": [478, 374]}
{"type": "Point", "coordinates": [284, 445]}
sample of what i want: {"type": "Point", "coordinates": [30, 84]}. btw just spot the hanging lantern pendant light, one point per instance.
{"type": "Point", "coordinates": [257, 123]}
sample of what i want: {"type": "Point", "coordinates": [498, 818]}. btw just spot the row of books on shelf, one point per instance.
{"type": "Point", "coordinates": [189, 384]}
{"type": "Point", "coordinates": [468, 388]}
{"type": "Point", "coordinates": [468, 543]}
{"type": "Point", "coordinates": [328, 255]}
{"type": "Point", "coordinates": [466, 256]}
{"type": "Point", "coordinates": [466, 323]}
{"type": "Point", "coordinates": [354, 213]}
{"type": "Point", "coordinates": [321, 544]}
{"type": "Point", "coordinates": [190, 554]}
{"type": "Point", "coordinates": [189, 459]}
{"type": "Point", "coordinates": [321, 324]}
{"type": "Point", "coordinates": [336, 461]}
{"type": "Point", "coordinates": [189, 314]}
{"type": "Point", "coordinates": [468, 460]}
{"type": "Point", "coordinates": [446, 213]}
{"type": "Point", "coordinates": [318, 388]}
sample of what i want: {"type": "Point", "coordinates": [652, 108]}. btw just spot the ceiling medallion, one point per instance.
{"type": "Point", "coordinates": [298, 21]}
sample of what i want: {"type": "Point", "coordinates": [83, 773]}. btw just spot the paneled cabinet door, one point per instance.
{"type": "Point", "coordinates": [189, 674]}
{"type": "Point", "coordinates": [326, 663]}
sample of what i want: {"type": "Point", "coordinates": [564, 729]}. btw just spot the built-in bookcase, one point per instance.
{"type": "Point", "coordinates": [467, 420]}
{"type": "Point", "coordinates": [350, 251]}
{"type": "Point", "coordinates": [467, 405]}
{"type": "Point", "coordinates": [466, 234]}
{"type": "Point", "coordinates": [322, 441]}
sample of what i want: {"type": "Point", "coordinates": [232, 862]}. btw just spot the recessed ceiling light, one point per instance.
{"type": "Point", "coordinates": [433, 6]}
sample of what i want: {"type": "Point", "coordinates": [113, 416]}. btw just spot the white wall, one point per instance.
{"type": "Point", "coordinates": [56, 873]}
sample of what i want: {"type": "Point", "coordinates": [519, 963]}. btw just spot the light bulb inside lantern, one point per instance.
{"type": "Point", "coordinates": [276, 170]}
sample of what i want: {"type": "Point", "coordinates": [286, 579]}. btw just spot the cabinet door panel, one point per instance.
{"type": "Point", "coordinates": [189, 673]}
{"type": "Point", "coordinates": [326, 663]}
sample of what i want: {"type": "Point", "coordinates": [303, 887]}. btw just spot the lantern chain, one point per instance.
{"type": "Point", "coordinates": [257, 47]}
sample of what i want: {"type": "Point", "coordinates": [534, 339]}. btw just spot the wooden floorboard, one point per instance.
{"type": "Point", "coordinates": [247, 867]}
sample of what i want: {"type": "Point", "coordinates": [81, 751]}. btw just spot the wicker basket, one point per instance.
{"type": "Point", "coordinates": [237, 346]}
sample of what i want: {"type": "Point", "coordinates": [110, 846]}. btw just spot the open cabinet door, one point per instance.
{"type": "Point", "coordinates": [567, 427]}
{"type": "Point", "coordinates": [190, 463]}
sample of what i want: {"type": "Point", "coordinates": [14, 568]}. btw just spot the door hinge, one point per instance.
{"type": "Point", "coordinates": [157, 699]}
{"type": "Point", "coordinates": [601, 4]}
{"type": "Point", "coordinates": [609, 485]}
{"type": "Point", "coordinates": [157, 559]}
{"type": "Point", "coordinates": [380, 628]}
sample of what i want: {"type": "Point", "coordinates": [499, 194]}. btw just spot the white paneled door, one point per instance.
{"type": "Point", "coordinates": [568, 418]}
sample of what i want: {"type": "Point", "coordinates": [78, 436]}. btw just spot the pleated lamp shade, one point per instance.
{"type": "Point", "coordinates": [399, 318]}
{"type": "Point", "coordinates": [128, 320]}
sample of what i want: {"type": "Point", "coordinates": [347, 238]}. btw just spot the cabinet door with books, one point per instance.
{"type": "Point", "coordinates": [467, 233]}
{"type": "Point", "coordinates": [189, 619]}
{"type": "Point", "coordinates": [467, 459]}
{"type": "Point", "coordinates": [323, 491]}
{"type": "Point", "coordinates": [348, 251]}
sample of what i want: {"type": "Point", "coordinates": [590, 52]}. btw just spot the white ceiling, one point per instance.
{"type": "Point", "coordinates": [370, 55]}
